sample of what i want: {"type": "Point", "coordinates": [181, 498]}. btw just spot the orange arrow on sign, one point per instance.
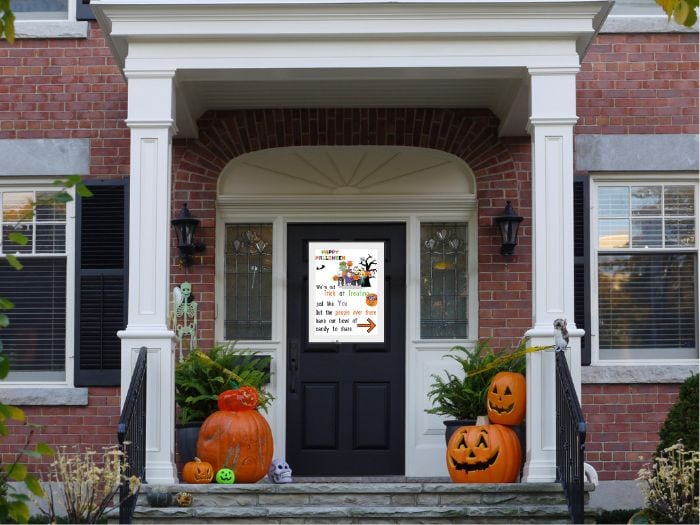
{"type": "Point", "coordinates": [369, 325]}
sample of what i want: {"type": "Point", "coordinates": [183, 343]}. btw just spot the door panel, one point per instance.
{"type": "Point", "coordinates": [345, 401]}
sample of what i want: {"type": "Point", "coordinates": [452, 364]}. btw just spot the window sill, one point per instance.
{"type": "Point", "coordinates": [597, 374]}
{"type": "Point", "coordinates": [50, 29]}
{"type": "Point", "coordinates": [63, 396]}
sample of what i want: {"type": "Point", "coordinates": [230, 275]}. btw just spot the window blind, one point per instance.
{"type": "Point", "coordinates": [646, 303]}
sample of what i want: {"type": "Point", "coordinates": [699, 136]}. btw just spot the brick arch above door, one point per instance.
{"type": "Point", "coordinates": [501, 168]}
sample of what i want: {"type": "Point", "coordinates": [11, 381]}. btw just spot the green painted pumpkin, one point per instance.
{"type": "Point", "coordinates": [225, 476]}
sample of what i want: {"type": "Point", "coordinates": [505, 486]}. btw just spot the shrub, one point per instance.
{"type": "Point", "coordinates": [682, 420]}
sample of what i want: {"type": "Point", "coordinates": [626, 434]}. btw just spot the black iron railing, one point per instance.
{"type": "Point", "coordinates": [571, 439]}
{"type": "Point", "coordinates": [131, 433]}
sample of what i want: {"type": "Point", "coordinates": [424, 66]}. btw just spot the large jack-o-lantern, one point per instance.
{"type": "Point", "coordinates": [505, 398]}
{"type": "Point", "coordinates": [484, 454]}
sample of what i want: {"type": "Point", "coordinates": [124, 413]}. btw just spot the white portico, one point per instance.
{"type": "Point", "coordinates": [517, 58]}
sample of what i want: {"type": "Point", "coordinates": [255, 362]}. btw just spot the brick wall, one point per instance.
{"type": "Point", "coordinates": [633, 84]}
{"type": "Point", "coordinates": [623, 425]}
{"type": "Point", "coordinates": [65, 88]}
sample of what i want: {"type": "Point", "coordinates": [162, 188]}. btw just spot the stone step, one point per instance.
{"type": "Point", "coordinates": [363, 502]}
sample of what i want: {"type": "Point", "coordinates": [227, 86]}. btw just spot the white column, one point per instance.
{"type": "Point", "coordinates": [150, 118]}
{"type": "Point", "coordinates": [552, 120]}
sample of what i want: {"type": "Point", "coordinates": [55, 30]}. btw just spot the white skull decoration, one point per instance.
{"type": "Point", "coordinates": [279, 471]}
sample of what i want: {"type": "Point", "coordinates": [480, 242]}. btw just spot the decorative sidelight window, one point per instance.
{"type": "Point", "coordinates": [248, 281]}
{"type": "Point", "coordinates": [443, 280]}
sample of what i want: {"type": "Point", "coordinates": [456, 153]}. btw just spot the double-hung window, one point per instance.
{"type": "Point", "coordinates": [644, 238]}
{"type": "Point", "coordinates": [35, 339]}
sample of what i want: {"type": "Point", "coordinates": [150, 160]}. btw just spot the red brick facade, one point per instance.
{"type": "Point", "coordinates": [629, 84]}
{"type": "Point", "coordinates": [639, 84]}
{"type": "Point", "coordinates": [623, 423]}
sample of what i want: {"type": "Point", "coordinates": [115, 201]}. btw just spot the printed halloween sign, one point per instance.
{"type": "Point", "coordinates": [346, 292]}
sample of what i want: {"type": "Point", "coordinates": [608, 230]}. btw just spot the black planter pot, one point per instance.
{"type": "Point", "coordinates": [186, 435]}
{"type": "Point", "coordinates": [453, 424]}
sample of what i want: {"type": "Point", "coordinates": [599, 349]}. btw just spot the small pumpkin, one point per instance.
{"type": "Point", "coordinates": [241, 398]}
{"type": "Point", "coordinates": [505, 398]}
{"type": "Point", "coordinates": [484, 454]}
{"type": "Point", "coordinates": [225, 476]}
{"type": "Point", "coordinates": [241, 441]}
{"type": "Point", "coordinates": [197, 471]}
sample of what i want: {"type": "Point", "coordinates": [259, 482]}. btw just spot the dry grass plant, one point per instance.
{"type": "Point", "coordinates": [90, 483]}
{"type": "Point", "coordinates": [670, 486]}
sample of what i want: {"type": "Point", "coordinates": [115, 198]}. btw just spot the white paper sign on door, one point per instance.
{"type": "Point", "coordinates": [346, 292]}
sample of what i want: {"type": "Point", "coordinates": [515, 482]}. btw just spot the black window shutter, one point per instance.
{"type": "Point", "coordinates": [101, 283]}
{"type": "Point", "coordinates": [582, 289]}
{"type": "Point", "coordinates": [83, 11]}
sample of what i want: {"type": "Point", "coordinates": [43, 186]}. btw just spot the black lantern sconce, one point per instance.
{"type": "Point", "coordinates": [185, 227]}
{"type": "Point", "coordinates": [508, 223]}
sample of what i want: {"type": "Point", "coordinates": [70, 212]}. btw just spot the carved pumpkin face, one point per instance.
{"type": "Point", "coordinates": [371, 299]}
{"type": "Point", "coordinates": [505, 398]}
{"type": "Point", "coordinates": [483, 454]}
{"type": "Point", "coordinates": [225, 476]}
{"type": "Point", "coordinates": [197, 471]}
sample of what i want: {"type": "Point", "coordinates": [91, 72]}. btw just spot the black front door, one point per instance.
{"type": "Point", "coordinates": [345, 400]}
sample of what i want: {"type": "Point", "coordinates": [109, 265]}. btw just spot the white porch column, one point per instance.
{"type": "Point", "coordinates": [151, 120]}
{"type": "Point", "coordinates": [551, 126]}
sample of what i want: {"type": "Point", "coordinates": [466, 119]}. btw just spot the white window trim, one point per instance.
{"type": "Point", "coordinates": [53, 28]}
{"type": "Point", "coordinates": [610, 179]}
{"type": "Point", "coordinates": [45, 184]}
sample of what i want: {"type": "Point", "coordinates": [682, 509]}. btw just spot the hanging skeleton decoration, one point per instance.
{"type": "Point", "coordinates": [279, 471]}
{"type": "Point", "coordinates": [184, 316]}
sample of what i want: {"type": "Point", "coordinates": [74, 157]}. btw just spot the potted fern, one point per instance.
{"type": "Point", "coordinates": [462, 396]}
{"type": "Point", "coordinates": [202, 376]}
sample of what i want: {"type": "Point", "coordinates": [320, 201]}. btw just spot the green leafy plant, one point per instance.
{"type": "Point", "coordinates": [13, 504]}
{"type": "Point", "coordinates": [670, 486]}
{"type": "Point", "coordinates": [202, 376]}
{"type": "Point", "coordinates": [682, 420]}
{"type": "Point", "coordinates": [463, 396]}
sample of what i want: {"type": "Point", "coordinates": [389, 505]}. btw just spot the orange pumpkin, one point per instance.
{"type": "Point", "coordinates": [241, 441]}
{"type": "Point", "coordinates": [505, 398]}
{"type": "Point", "coordinates": [484, 454]}
{"type": "Point", "coordinates": [242, 398]}
{"type": "Point", "coordinates": [197, 471]}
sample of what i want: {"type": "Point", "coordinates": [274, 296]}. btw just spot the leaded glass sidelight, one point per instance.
{"type": "Point", "coordinates": [248, 281]}
{"type": "Point", "coordinates": [444, 283]}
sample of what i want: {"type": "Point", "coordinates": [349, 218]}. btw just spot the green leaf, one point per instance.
{"type": "Point", "coordinates": [19, 511]}
{"type": "Point", "coordinates": [4, 320]}
{"type": "Point", "coordinates": [11, 412]}
{"type": "Point", "coordinates": [43, 448]}
{"type": "Point", "coordinates": [4, 366]}
{"type": "Point", "coordinates": [9, 20]}
{"type": "Point", "coordinates": [34, 486]}
{"type": "Point", "coordinates": [83, 190]}
{"type": "Point", "coordinates": [62, 197]}
{"type": "Point", "coordinates": [14, 262]}
{"type": "Point", "coordinates": [18, 471]}
{"type": "Point", "coordinates": [6, 304]}
{"type": "Point", "coordinates": [18, 238]}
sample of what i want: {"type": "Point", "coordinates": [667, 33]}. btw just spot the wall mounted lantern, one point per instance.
{"type": "Point", "coordinates": [185, 227]}
{"type": "Point", "coordinates": [508, 223]}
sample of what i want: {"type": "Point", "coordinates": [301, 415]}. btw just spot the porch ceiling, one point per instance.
{"type": "Point", "coordinates": [236, 54]}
